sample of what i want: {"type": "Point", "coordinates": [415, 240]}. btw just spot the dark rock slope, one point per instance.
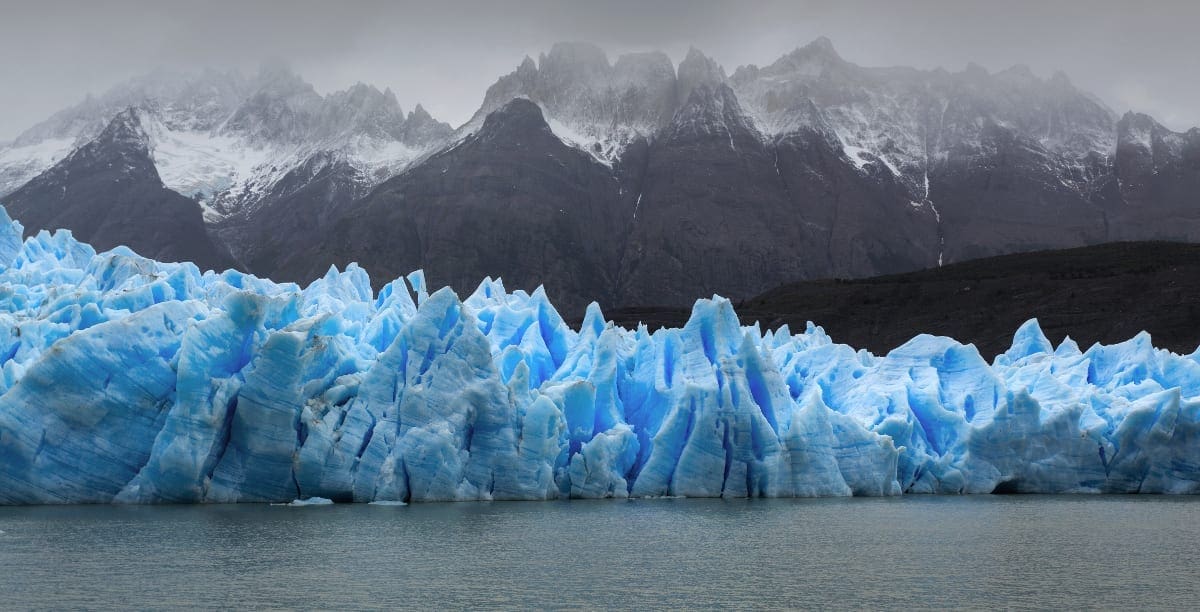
{"type": "Point", "coordinates": [1106, 293]}
{"type": "Point", "coordinates": [510, 200]}
{"type": "Point", "coordinates": [108, 193]}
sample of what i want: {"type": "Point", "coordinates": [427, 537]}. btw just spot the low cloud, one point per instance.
{"type": "Point", "coordinates": [445, 53]}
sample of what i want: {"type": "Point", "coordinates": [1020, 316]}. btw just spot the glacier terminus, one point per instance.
{"type": "Point", "coordinates": [128, 380]}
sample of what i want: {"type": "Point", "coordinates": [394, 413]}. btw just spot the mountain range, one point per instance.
{"type": "Point", "coordinates": [627, 182]}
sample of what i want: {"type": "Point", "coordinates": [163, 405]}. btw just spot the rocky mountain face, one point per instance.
{"type": "Point", "coordinates": [1155, 177]}
{"type": "Point", "coordinates": [108, 193]}
{"type": "Point", "coordinates": [592, 104]}
{"type": "Point", "coordinates": [989, 155]}
{"type": "Point", "coordinates": [636, 182]}
{"type": "Point", "coordinates": [511, 199]}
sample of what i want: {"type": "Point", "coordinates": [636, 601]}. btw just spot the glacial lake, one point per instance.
{"type": "Point", "coordinates": [917, 551]}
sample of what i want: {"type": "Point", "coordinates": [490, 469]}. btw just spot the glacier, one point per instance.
{"type": "Point", "coordinates": [127, 380]}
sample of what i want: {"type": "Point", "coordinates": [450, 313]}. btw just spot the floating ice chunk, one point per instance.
{"type": "Point", "coordinates": [308, 501]}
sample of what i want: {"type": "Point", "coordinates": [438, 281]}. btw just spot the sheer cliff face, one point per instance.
{"type": "Point", "coordinates": [1157, 180]}
{"type": "Point", "coordinates": [634, 181]}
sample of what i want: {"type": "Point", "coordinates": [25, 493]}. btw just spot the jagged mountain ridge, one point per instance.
{"type": "Point", "coordinates": [694, 181]}
{"type": "Point", "coordinates": [226, 140]}
{"type": "Point", "coordinates": [719, 201]}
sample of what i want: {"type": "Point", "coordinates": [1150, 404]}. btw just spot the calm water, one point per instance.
{"type": "Point", "coordinates": [987, 551]}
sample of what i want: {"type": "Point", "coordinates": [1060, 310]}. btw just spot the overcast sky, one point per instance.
{"type": "Point", "coordinates": [444, 53]}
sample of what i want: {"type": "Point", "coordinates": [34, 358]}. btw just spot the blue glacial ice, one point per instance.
{"type": "Point", "coordinates": [128, 380]}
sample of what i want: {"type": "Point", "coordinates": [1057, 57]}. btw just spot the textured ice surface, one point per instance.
{"type": "Point", "coordinates": [123, 379]}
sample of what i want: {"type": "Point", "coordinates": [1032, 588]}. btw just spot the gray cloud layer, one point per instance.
{"type": "Point", "coordinates": [444, 53]}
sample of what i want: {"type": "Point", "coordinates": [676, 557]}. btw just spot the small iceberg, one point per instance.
{"type": "Point", "coordinates": [308, 501]}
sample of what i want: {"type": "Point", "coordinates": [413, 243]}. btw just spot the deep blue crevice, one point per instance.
{"type": "Point", "coordinates": [677, 454]}
{"type": "Point", "coordinates": [408, 492]}
{"type": "Point", "coordinates": [221, 443]}
{"type": "Point", "coordinates": [728, 446]}
{"type": "Point", "coordinates": [469, 437]}
{"type": "Point", "coordinates": [762, 396]}
{"type": "Point", "coordinates": [449, 321]}
{"type": "Point", "coordinates": [362, 448]}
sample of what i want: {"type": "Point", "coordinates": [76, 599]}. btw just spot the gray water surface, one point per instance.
{"type": "Point", "coordinates": [985, 551]}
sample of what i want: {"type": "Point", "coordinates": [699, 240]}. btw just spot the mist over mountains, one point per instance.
{"type": "Point", "coordinates": [629, 181]}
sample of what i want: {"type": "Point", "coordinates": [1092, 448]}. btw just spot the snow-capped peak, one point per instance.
{"type": "Point", "coordinates": [911, 119]}
{"type": "Point", "coordinates": [597, 106]}
{"type": "Point", "coordinates": [225, 139]}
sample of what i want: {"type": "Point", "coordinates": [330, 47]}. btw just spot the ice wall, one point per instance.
{"type": "Point", "coordinates": [129, 380]}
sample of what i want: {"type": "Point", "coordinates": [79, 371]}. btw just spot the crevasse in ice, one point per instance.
{"type": "Point", "coordinates": [128, 380]}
